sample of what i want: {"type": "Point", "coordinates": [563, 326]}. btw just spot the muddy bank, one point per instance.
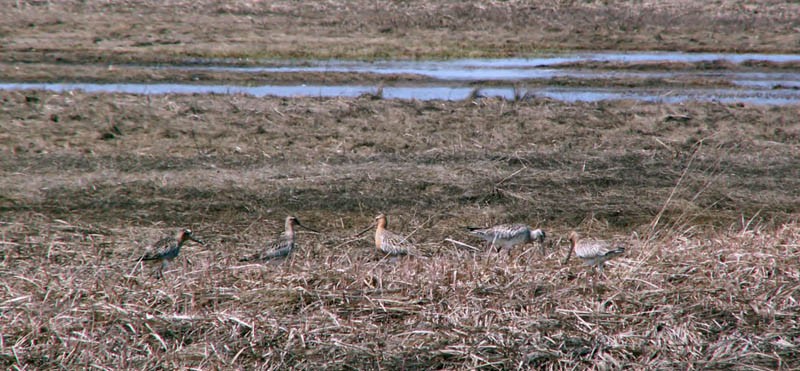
{"type": "Point", "coordinates": [153, 74]}
{"type": "Point", "coordinates": [93, 73]}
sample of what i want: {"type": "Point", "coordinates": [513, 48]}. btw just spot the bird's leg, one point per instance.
{"type": "Point", "coordinates": [592, 275]}
{"type": "Point", "coordinates": [495, 244]}
{"type": "Point", "coordinates": [164, 265]}
{"type": "Point", "coordinates": [593, 278]}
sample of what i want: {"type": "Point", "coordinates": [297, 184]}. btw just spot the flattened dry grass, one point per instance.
{"type": "Point", "coordinates": [123, 159]}
{"type": "Point", "coordinates": [94, 31]}
{"type": "Point", "coordinates": [72, 298]}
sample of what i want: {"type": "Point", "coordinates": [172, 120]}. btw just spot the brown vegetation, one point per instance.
{"type": "Point", "coordinates": [166, 31]}
{"type": "Point", "coordinates": [57, 72]}
{"type": "Point", "coordinates": [710, 279]}
{"type": "Point", "coordinates": [711, 282]}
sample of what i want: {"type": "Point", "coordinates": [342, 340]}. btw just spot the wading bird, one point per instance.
{"type": "Point", "coordinates": [389, 242]}
{"type": "Point", "coordinates": [167, 249]}
{"type": "Point", "coordinates": [506, 236]}
{"type": "Point", "coordinates": [593, 252]}
{"type": "Point", "coordinates": [283, 246]}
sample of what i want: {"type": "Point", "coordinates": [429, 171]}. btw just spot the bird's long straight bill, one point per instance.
{"type": "Point", "coordinates": [306, 227]}
{"type": "Point", "coordinates": [365, 229]}
{"type": "Point", "coordinates": [569, 254]}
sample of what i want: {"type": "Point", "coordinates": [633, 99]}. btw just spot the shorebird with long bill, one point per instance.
{"type": "Point", "coordinates": [506, 236]}
{"type": "Point", "coordinates": [167, 249]}
{"type": "Point", "coordinates": [283, 245]}
{"type": "Point", "coordinates": [593, 252]}
{"type": "Point", "coordinates": [388, 242]}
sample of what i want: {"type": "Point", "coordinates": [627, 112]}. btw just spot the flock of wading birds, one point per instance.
{"type": "Point", "coordinates": [504, 236]}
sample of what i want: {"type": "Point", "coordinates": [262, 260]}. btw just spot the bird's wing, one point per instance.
{"type": "Point", "coordinates": [276, 253]}
{"type": "Point", "coordinates": [594, 249]}
{"type": "Point", "coordinates": [480, 232]}
{"type": "Point", "coordinates": [508, 231]}
{"type": "Point", "coordinates": [279, 248]}
{"type": "Point", "coordinates": [395, 244]}
{"type": "Point", "coordinates": [499, 232]}
{"type": "Point", "coordinates": [163, 247]}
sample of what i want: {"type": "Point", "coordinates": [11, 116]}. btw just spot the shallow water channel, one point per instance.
{"type": "Point", "coordinates": [507, 78]}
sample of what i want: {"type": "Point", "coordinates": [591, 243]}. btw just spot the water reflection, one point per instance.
{"type": "Point", "coordinates": [458, 79]}
{"type": "Point", "coordinates": [567, 94]}
{"type": "Point", "coordinates": [511, 68]}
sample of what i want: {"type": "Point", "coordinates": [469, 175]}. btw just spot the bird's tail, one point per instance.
{"type": "Point", "coordinates": [273, 255]}
{"type": "Point", "coordinates": [620, 250]}
{"type": "Point", "coordinates": [477, 231]}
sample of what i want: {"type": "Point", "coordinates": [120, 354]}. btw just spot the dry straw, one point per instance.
{"type": "Point", "coordinates": [716, 301]}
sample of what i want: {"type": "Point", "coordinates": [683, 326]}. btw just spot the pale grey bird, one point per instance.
{"type": "Point", "coordinates": [281, 247]}
{"type": "Point", "coordinates": [506, 236]}
{"type": "Point", "coordinates": [167, 249]}
{"type": "Point", "coordinates": [593, 252]}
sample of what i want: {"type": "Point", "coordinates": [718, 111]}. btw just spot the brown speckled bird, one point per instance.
{"type": "Point", "coordinates": [593, 252]}
{"type": "Point", "coordinates": [283, 245]}
{"type": "Point", "coordinates": [167, 249]}
{"type": "Point", "coordinates": [388, 242]}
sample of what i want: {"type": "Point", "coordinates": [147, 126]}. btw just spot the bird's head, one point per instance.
{"type": "Point", "coordinates": [538, 235]}
{"type": "Point", "coordinates": [187, 234]}
{"type": "Point", "coordinates": [380, 220]}
{"type": "Point", "coordinates": [573, 238]}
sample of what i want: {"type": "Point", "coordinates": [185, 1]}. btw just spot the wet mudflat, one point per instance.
{"type": "Point", "coordinates": [661, 94]}
{"type": "Point", "coordinates": [654, 77]}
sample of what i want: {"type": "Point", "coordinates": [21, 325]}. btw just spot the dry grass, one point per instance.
{"type": "Point", "coordinates": [719, 300]}
{"type": "Point", "coordinates": [128, 159]}
{"type": "Point", "coordinates": [163, 31]}
{"type": "Point", "coordinates": [93, 73]}
{"type": "Point", "coordinates": [89, 180]}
